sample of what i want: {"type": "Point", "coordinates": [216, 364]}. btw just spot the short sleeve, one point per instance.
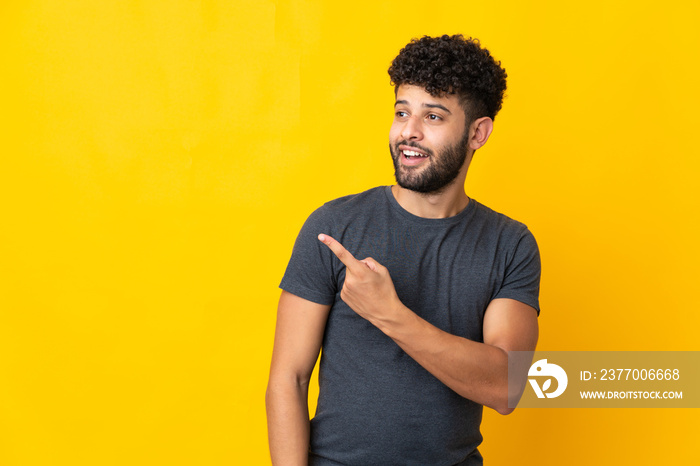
{"type": "Point", "coordinates": [522, 274]}
{"type": "Point", "coordinates": [310, 273]}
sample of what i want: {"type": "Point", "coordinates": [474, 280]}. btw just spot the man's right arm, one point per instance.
{"type": "Point", "coordinates": [298, 337]}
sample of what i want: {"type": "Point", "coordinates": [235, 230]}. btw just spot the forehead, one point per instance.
{"type": "Point", "coordinates": [417, 96]}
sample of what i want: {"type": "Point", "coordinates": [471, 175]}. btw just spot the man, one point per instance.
{"type": "Point", "coordinates": [414, 291]}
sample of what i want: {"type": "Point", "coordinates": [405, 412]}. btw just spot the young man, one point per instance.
{"type": "Point", "coordinates": [414, 291]}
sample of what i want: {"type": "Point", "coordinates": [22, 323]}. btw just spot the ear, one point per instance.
{"type": "Point", "coordinates": [479, 132]}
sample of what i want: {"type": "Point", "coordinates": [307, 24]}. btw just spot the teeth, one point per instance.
{"type": "Point", "coordinates": [411, 153]}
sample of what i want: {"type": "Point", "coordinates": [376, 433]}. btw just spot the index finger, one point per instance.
{"type": "Point", "coordinates": [339, 251]}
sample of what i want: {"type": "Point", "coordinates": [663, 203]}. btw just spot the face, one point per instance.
{"type": "Point", "coordinates": [428, 140]}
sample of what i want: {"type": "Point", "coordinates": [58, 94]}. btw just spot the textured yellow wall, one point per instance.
{"type": "Point", "coordinates": [159, 157]}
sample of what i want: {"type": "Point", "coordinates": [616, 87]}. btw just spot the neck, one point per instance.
{"type": "Point", "coordinates": [447, 203]}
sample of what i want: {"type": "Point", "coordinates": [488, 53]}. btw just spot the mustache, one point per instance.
{"type": "Point", "coordinates": [411, 144]}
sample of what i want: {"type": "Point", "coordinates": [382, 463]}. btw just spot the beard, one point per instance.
{"type": "Point", "coordinates": [440, 172]}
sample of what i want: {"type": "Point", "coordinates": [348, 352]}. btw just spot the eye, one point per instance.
{"type": "Point", "coordinates": [434, 117]}
{"type": "Point", "coordinates": [401, 114]}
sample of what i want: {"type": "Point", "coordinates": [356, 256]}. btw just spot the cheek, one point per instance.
{"type": "Point", "coordinates": [447, 138]}
{"type": "Point", "coordinates": [394, 132]}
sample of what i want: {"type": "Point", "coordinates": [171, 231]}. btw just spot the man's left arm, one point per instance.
{"type": "Point", "coordinates": [476, 371]}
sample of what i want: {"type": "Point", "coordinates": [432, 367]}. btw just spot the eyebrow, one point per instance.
{"type": "Point", "coordinates": [441, 107]}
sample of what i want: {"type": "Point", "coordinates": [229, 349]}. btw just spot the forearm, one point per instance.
{"type": "Point", "coordinates": [476, 371]}
{"type": "Point", "coordinates": [288, 422]}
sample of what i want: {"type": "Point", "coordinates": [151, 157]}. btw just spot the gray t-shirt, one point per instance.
{"type": "Point", "coordinates": [376, 404]}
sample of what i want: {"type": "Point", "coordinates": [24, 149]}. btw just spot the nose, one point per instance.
{"type": "Point", "coordinates": [411, 130]}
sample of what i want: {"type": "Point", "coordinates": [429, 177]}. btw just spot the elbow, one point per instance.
{"type": "Point", "coordinates": [504, 410]}
{"type": "Point", "coordinates": [268, 395]}
{"type": "Point", "coordinates": [503, 403]}
{"type": "Point", "coordinates": [503, 406]}
{"type": "Point", "coordinates": [286, 384]}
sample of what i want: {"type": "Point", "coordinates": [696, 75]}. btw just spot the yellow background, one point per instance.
{"type": "Point", "coordinates": [159, 157]}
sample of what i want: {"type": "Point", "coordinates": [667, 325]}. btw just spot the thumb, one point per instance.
{"type": "Point", "coordinates": [371, 264]}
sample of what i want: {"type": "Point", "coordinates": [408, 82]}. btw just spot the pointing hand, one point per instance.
{"type": "Point", "coordinates": [368, 288]}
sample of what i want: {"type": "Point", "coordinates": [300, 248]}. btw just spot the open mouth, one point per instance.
{"type": "Point", "coordinates": [411, 156]}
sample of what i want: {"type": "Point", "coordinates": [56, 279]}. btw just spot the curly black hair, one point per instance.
{"type": "Point", "coordinates": [453, 65]}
